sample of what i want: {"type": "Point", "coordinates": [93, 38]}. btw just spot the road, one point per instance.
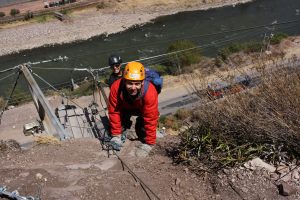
{"type": "Point", "coordinates": [172, 99]}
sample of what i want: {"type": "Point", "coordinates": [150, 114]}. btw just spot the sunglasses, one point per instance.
{"type": "Point", "coordinates": [112, 66]}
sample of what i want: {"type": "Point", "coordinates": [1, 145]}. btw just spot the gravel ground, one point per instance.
{"type": "Point", "coordinates": [79, 169]}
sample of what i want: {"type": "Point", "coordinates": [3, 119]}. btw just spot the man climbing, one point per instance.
{"type": "Point", "coordinates": [114, 61]}
{"type": "Point", "coordinates": [133, 96]}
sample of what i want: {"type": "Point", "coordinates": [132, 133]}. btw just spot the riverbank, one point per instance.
{"type": "Point", "coordinates": [116, 16]}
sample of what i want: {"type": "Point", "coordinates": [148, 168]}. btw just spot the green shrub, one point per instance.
{"type": "Point", "coordinates": [182, 114]}
{"type": "Point", "coordinates": [248, 47]}
{"type": "Point", "coordinates": [85, 89]}
{"type": "Point", "coordinates": [253, 47]}
{"type": "Point", "coordinates": [161, 69]}
{"type": "Point", "coordinates": [202, 144]}
{"type": "Point", "coordinates": [65, 12]}
{"type": "Point", "coordinates": [225, 52]}
{"type": "Point", "coordinates": [28, 15]}
{"type": "Point", "coordinates": [184, 58]}
{"type": "Point", "coordinates": [276, 39]}
{"type": "Point", "coordinates": [2, 14]}
{"type": "Point", "coordinates": [19, 96]}
{"type": "Point", "coordinates": [43, 18]}
{"type": "Point", "coordinates": [14, 12]}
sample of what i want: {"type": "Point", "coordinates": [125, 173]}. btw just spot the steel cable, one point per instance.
{"type": "Point", "coordinates": [7, 76]}
{"type": "Point", "coordinates": [9, 69]}
{"type": "Point", "coordinates": [51, 86]}
{"type": "Point", "coordinates": [10, 95]}
{"type": "Point", "coordinates": [144, 186]}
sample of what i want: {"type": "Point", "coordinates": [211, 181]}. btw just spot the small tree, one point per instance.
{"type": "Point", "coordinates": [185, 53]}
{"type": "Point", "coordinates": [28, 15]}
{"type": "Point", "coordinates": [2, 14]}
{"type": "Point", "coordinates": [14, 12]}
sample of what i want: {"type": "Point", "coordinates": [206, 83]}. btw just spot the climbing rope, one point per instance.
{"type": "Point", "coordinates": [137, 179]}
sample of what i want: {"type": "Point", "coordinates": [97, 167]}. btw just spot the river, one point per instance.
{"type": "Point", "coordinates": [211, 28]}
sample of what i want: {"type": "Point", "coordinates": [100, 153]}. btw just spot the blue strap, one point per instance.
{"type": "Point", "coordinates": [145, 88]}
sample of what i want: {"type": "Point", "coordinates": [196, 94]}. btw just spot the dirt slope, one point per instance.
{"type": "Point", "coordinates": [80, 170]}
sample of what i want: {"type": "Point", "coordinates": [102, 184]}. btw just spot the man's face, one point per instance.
{"type": "Point", "coordinates": [116, 68]}
{"type": "Point", "coordinates": [133, 87]}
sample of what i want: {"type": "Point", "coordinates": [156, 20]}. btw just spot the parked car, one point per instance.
{"type": "Point", "coordinates": [219, 89]}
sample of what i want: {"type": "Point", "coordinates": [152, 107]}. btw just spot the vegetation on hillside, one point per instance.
{"type": "Point", "coordinates": [261, 122]}
{"type": "Point", "coordinates": [43, 18]}
{"type": "Point", "coordinates": [19, 96]}
{"type": "Point", "coordinates": [277, 37]}
{"type": "Point", "coordinates": [2, 103]}
{"type": "Point", "coordinates": [28, 15]}
{"type": "Point", "coordinates": [14, 12]}
{"type": "Point", "coordinates": [101, 5]}
{"type": "Point", "coordinates": [188, 53]}
{"type": "Point", "coordinates": [247, 47]}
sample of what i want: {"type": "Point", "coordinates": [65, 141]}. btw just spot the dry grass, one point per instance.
{"type": "Point", "coordinates": [47, 139]}
{"type": "Point", "coordinates": [261, 121]}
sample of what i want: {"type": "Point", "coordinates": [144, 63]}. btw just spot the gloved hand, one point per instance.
{"type": "Point", "coordinates": [124, 135]}
{"type": "Point", "coordinates": [143, 150]}
{"type": "Point", "coordinates": [116, 143]}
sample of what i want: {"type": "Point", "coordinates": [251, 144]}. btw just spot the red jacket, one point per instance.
{"type": "Point", "coordinates": [146, 107]}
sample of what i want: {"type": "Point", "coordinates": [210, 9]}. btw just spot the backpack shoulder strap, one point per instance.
{"type": "Point", "coordinates": [145, 88]}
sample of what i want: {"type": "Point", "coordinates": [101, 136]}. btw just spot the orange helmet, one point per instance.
{"type": "Point", "coordinates": [134, 71]}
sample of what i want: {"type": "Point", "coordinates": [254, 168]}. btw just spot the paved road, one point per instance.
{"type": "Point", "coordinates": [171, 99]}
